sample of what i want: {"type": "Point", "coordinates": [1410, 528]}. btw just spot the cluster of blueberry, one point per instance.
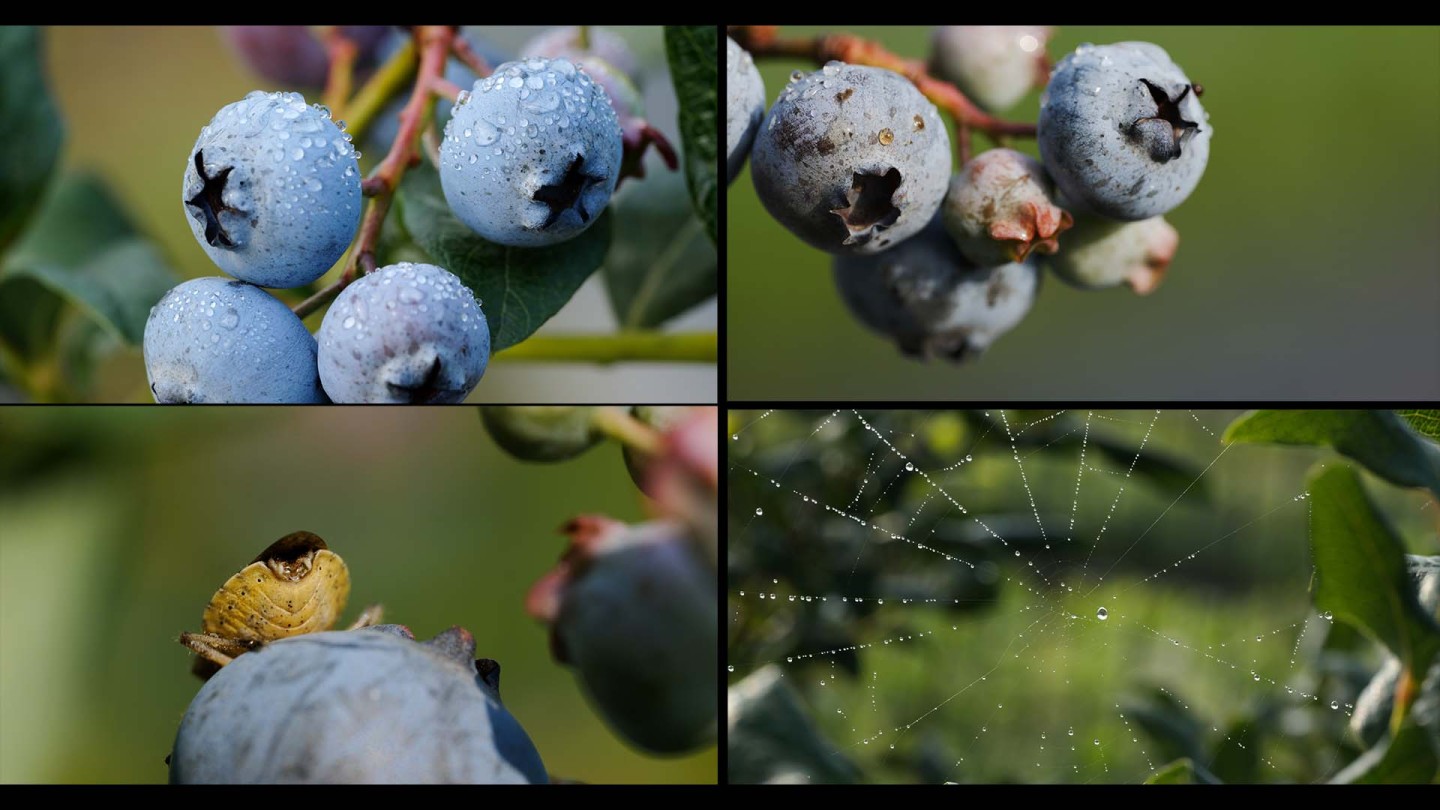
{"type": "Point", "coordinates": [633, 608]}
{"type": "Point", "coordinates": [855, 161]}
{"type": "Point", "coordinates": [272, 190]}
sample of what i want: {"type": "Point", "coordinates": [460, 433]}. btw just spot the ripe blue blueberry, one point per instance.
{"type": "Point", "coordinates": [995, 65]}
{"type": "Point", "coordinates": [1122, 131]}
{"type": "Point", "coordinates": [932, 301]}
{"type": "Point", "coordinates": [574, 41]}
{"type": "Point", "coordinates": [851, 159]}
{"type": "Point", "coordinates": [632, 609]}
{"type": "Point", "coordinates": [744, 105]}
{"type": "Point", "coordinates": [219, 340]}
{"type": "Point", "coordinates": [1099, 253]}
{"type": "Point", "coordinates": [542, 432]}
{"type": "Point", "coordinates": [371, 706]}
{"type": "Point", "coordinates": [272, 190]}
{"type": "Point", "coordinates": [532, 154]}
{"type": "Point", "coordinates": [406, 333]}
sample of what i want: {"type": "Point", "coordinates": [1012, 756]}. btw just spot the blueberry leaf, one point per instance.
{"type": "Point", "coordinates": [694, 66]}
{"type": "Point", "coordinates": [660, 263]}
{"type": "Point", "coordinates": [83, 249]}
{"type": "Point", "coordinates": [1380, 440]}
{"type": "Point", "coordinates": [1360, 570]}
{"type": "Point", "coordinates": [519, 288]}
{"type": "Point", "coordinates": [1424, 422]}
{"type": "Point", "coordinates": [1405, 758]}
{"type": "Point", "coordinates": [29, 313]}
{"type": "Point", "coordinates": [30, 128]}
{"type": "Point", "coordinates": [772, 738]}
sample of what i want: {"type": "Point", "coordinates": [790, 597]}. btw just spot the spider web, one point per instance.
{"type": "Point", "coordinates": [1086, 628]}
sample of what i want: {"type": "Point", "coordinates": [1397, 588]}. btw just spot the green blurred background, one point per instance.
{"type": "Point", "coordinates": [118, 524]}
{"type": "Point", "coordinates": [134, 98]}
{"type": "Point", "coordinates": [1043, 656]}
{"type": "Point", "coordinates": [1308, 254]}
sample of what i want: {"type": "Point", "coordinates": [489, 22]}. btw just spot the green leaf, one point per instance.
{"type": "Point", "coordinates": [772, 738]}
{"type": "Point", "coordinates": [660, 263]}
{"type": "Point", "coordinates": [1406, 758]}
{"type": "Point", "coordinates": [1380, 440]}
{"type": "Point", "coordinates": [1424, 422]}
{"type": "Point", "coordinates": [83, 249]}
{"type": "Point", "coordinates": [1360, 570]}
{"type": "Point", "coordinates": [1182, 772]}
{"type": "Point", "coordinates": [694, 65]}
{"type": "Point", "coordinates": [30, 128]}
{"type": "Point", "coordinates": [29, 313]}
{"type": "Point", "coordinates": [519, 288]}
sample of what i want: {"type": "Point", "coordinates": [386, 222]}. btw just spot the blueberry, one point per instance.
{"type": "Point", "coordinates": [293, 56]}
{"type": "Point", "coordinates": [1122, 131]}
{"type": "Point", "coordinates": [744, 105]}
{"type": "Point", "coordinates": [218, 340]}
{"type": "Point", "coordinates": [566, 43]}
{"type": "Point", "coordinates": [405, 333]}
{"type": "Point", "coordinates": [633, 610]}
{"type": "Point", "coordinates": [932, 301]}
{"type": "Point", "coordinates": [353, 706]}
{"type": "Point", "coordinates": [541, 432]}
{"type": "Point", "coordinates": [532, 154]}
{"type": "Point", "coordinates": [851, 159]}
{"type": "Point", "coordinates": [1100, 253]}
{"type": "Point", "coordinates": [995, 65]}
{"type": "Point", "coordinates": [1001, 206]}
{"type": "Point", "coordinates": [272, 190]}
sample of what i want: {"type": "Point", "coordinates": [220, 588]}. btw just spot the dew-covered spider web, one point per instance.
{"type": "Point", "coordinates": [1038, 596]}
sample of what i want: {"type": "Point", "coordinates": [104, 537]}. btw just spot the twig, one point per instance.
{"type": "Point", "coordinates": [342, 52]}
{"type": "Point", "coordinates": [470, 58]}
{"type": "Point", "coordinates": [764, 41]}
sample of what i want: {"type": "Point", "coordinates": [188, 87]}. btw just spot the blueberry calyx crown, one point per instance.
{"type": "Point", "coordinates": [870, 208]}
{"type": "Point", "coordinates": [427, 390]}
{"type": "Point", "coordinates": [211, 203]}
{"type": "Point", "coordinates": [1162, 148]}
{"type": "Point", "coordinates": [565, 195]}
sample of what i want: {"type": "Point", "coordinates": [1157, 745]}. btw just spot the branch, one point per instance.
{"type": "Point", "coordinates": [625, 347]}
{"type": "Point", "coordinates": [384, 85]}
{"type": "Point", "coordinates": [342, 52]}
{"type": "Point", "coordinates": [470, 58]}
{"type": "Point", "coordinates": [765, 41]}
{"type": "Point", "coordinates": [434, 45]}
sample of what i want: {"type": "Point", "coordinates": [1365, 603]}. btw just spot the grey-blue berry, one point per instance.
{"type": "Point", "coordinates": [744, 105]}
{"type": "Point", "coordinates": [357, 706]}
{"type": "Point", "coordinates": [272, 190]}
{"type": "Point", "coordinates": [220, 340]}
{"type": "Point", "coordinates": [406, 333]}
{"type": "Point", "coordinates": [851, 159]}
{"type": "Point", "coordinates": [932, 301]}
{"type": "Point", "coordinates": [1122, 131]}
{"type": "Point", "coordinates": [566, 42]}
{"type": "Point", "coordinates": [531, 154]}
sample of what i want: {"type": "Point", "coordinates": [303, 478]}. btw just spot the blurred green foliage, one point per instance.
{"type": "Point", "coordinates": [1212, 650]}
{"type": "Point", "coordinates": [117, 524]}
{"type": "Point", "coordinates": [1306, 260]}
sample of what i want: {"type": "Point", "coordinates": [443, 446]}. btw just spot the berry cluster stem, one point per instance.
{"type": "Point", "coordinates": [765, 41]}
{"type": "Point", "coordinates": [434, 43]}
{"type": "Point", "coordinates": [342, 52]}
{"type": "Point", "coordinates": [618, 424]}
{"type": "Point", "coordinates": [625, 347]}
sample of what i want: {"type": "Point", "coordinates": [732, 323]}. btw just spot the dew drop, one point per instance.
{"type": "Point", "coordinates": [731, 667]}
{"type": "Point", "coordinates": [1334, 704]}
{"type": "Point", "coordinates": [759, 512]}
{"type": "Point", "coordinates": [909, 467]}
{"type": "Point", "coordinates": [886, 137]}
{"type": "Point", "coordinates": [1102, 614]}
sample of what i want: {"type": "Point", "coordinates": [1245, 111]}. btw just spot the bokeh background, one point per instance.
{"type": "Point", "coordinates": [117, 525]}
{"type": "Point", "coordinates": [1307, 261]}
{"type": "Point", "coordinates": [134, 98]}
{"type": "Point", "coordinates": [1043, 655]}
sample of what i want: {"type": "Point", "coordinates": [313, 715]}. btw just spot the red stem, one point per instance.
{"type": "Point", "coordinates": [434, 43]}
{"type": "Point", "coordinates": [765, 41]}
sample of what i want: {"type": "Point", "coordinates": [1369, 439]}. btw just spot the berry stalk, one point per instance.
{"type": "Point", "coordinates": [618, 424]}
{"type": "Point", "coordinates": [765, 41]}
